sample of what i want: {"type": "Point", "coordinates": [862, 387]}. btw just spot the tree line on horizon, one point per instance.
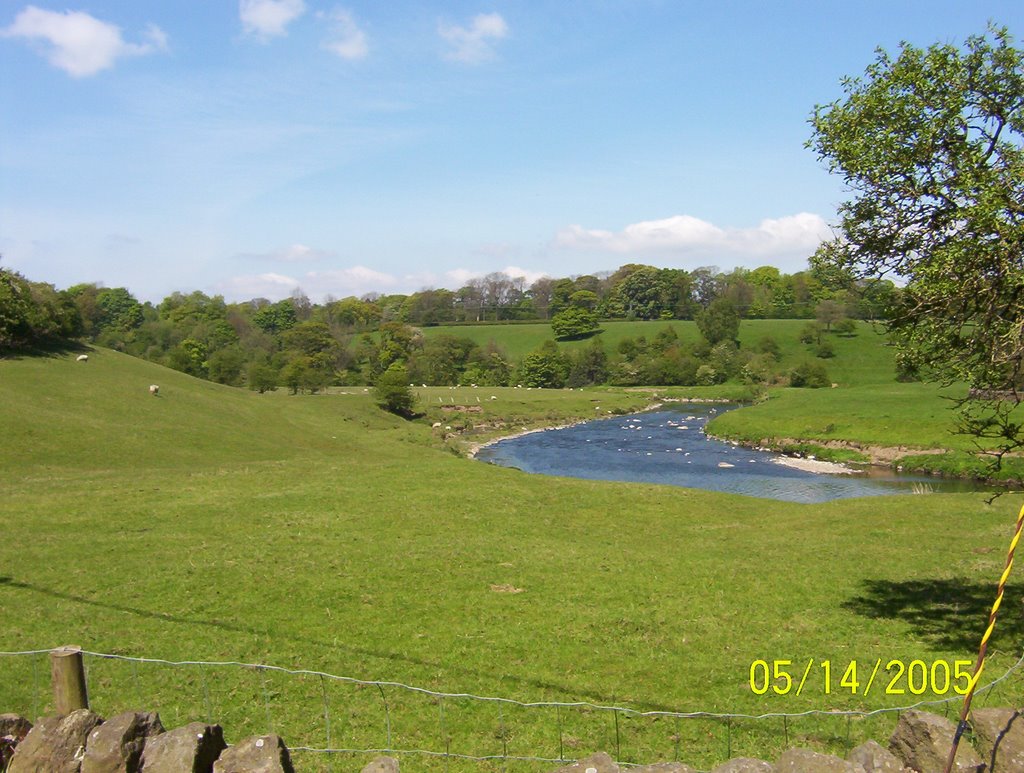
{"type": "Point", "coordinates": [304, 346]}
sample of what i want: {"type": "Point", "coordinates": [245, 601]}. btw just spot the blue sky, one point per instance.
{"type": "Point", "coordinates": [249, 148]}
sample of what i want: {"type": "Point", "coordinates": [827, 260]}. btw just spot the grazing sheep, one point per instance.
{"type": "Point", "coordinates": [82, 358]}
{"type": "Point", "coordinates": [154, 390]}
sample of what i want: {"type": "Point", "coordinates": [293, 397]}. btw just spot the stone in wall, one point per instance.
{"type": "Point", "coordinates": [382, 765]}
{"type": "Point", "coordinates": [922, 742]}
{"type": "Point", "coordinates": [14, 726]}
{"type": "Point", "coordinates": [55, 744]}
{"type": "Point", "coordinates": [189, 749]}
{"type": "Point", "coordinates": [745, 765]}
{"type": "Point", "coordinates": [875, 758]}
{"type": "Point", "coordinates": [807, 761]}
{"type": "Point", "coordinates": [116, 745]}
{"type": "Point", "coordinates": [999, 735]}
{"type": "Point", "coordinates": [260, 754]}
{"type": "Point", "coordinates": [13, 729]}
{"type": "Point", "coordinates": [595, 763]}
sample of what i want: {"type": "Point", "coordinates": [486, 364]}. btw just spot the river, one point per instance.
{"type": "Point", "coordinates": [669, 446]}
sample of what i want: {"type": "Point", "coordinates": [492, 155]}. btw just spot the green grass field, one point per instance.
{"type": "Point", "coordinates": [861, 359]}
{"type": "Point", "coordinates": [317, 532]}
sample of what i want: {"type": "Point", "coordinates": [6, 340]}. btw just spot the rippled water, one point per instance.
{"type": "Point", "coordinates": [669, 446]}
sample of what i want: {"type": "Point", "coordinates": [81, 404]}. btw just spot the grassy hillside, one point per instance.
{"type": "Point", "coordinates": [861, 359]}
{"type": "Point", "coordinates": [867, 406]}
{"type": "Point", "coordinates": [317, 532]}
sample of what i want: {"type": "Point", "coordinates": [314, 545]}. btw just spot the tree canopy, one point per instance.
{"type": "Point", "coordinates": [931, 143]}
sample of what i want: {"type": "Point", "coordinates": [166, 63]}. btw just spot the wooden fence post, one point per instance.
{"type": "Point", "coordinates": [68, 672]}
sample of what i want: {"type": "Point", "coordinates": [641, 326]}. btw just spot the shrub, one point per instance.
{"type": "Point", "coordinates": [846, 327]}
{"type": "Point", "coordinates": [708, 376]}
{"type": "Point", "coordinates": [768, 345]}
{"type": "Point", "coordinates": [811, 333]}
{"type": "Point", "coordinates": [810, 375]}
{"type": "Point", "coordinates": [392, 391]}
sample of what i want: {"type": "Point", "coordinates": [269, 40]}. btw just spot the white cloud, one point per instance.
{"type": "Point", "coordinates": [347, 40]}
{"type": "Point", "coordinates": [78, 43]}
{"type": "Point", "coordinates": [244, 288]}
{"type": "Point", "coordinates": [474, 44]}
{"type": "Point", "coordinates": [295, 253]}
{"type": "Point", "coordinates": [269, 18]}
{"type": "Point", "coordinates": [526, 274]}
{"type": "Point", "coordinates": [458, 277]}
{"type": "Point", "coordinates": [356, 280]}
{"type": "Point", "coordinates": [685, 235]}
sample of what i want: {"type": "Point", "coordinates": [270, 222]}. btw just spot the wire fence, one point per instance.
{"type": "Point", "coordinates": [328, 718]}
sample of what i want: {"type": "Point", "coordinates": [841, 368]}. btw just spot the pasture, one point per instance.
{"type": "Point", "coordinates": [317, 532]}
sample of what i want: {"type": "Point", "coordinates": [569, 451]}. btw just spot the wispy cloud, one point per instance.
{"type": "Point", "coordinates": [685, 234]}
{"type": "Point", "coordinates": [475, 43]}
{"type": "Point", "coordinates": [346, 39]}
{"type": "Point", "coordinates": [294, 253]}
{"type": "Point", "coordinates": [244, 288]}
{"type": "Point", "coordinates": [78, 43]}
{"type": "Point", "coordinates": [356, 280]}
{"type": "Point", "coordinates": [460, 277]}
{"type": "Point", "coordinates": [267, 19]}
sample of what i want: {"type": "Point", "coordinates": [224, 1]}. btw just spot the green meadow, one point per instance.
{"type": "Point", "coordinates": [317, 532]}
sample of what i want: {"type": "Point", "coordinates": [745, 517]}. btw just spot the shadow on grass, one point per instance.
{"type": "Point", "coordinates": [580, 336]}
{"type": "Point", "coordinates": [57, 348]}
{"type": "Point", "coordinates": [561, 691]}
{"type": "Point", "coordinates": [947, 613]}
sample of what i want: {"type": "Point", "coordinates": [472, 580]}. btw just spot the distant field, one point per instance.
{"type": "Point", "coordinates": [860, 359]}
{"type": "Point", "coordinates": [317, 532]}
{"type": "Point", "coordinates": [867, 406]}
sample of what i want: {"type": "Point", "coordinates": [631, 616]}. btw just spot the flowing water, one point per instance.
{"type": "Point", "coordinates": [669, 446]}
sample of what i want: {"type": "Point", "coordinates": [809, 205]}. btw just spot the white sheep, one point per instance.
{"type": "Point", "coordinates": [82, 358]}
{"type": "Point", "coordinates": [154, 390]}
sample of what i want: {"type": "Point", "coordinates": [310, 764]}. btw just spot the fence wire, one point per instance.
{"type": "Point", "coordinates": [336, 723]}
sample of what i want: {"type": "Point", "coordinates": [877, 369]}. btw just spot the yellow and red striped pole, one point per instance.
{"type": "Point", "coordinates": [979, 665]}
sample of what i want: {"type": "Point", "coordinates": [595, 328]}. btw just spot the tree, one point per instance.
{"type": "Point", "coordinates": [120, 309]}
{"type": "Point", "coordinates": [275, 317]}
{"type": "Point", "coordinates": [15, 310]}
{"type": "Point", "coordinates": [718, 322]}
{"type": "Point", "coordinates": [573, 322]}
{"type": "Point", "coordinates": [392, 391]}
{"type": "Point", "coordinates": [588, 365]}
{"type": "Point", "coordinates": [544, 367]}
{"type": "Point", "coordinates": [930, 142]}
{"type": "Point", "coordinates": [262, 377]}
{"type": "Point", "coordinates": [829, 311]}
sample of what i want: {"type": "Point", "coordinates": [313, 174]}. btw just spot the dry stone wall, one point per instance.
{"type": "Point", "coordinates": [136, 742]}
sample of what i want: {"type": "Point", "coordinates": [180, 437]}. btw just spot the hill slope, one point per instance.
{"type": "Point", "coordinates": [99, 415]}
{"type": "Point", "coordinates": [318, 532]}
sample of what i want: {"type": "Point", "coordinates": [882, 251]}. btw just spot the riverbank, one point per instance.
{"type": "Point", "coordinates": [472, 449]}
{"type": "Point", "coordinates": [814, 465]}
{"type": "Point", "coordinates": [848, 455]}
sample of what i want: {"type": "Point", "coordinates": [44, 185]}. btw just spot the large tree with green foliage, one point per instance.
{"type": "Point", "coordinates": [573, 322]}
{"type": "Point", "coordinates": [393, 393]}
{"type": "Point", "coordinates": [719, 321]}
{"type": "Point", "coordinates": [931, 143]}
